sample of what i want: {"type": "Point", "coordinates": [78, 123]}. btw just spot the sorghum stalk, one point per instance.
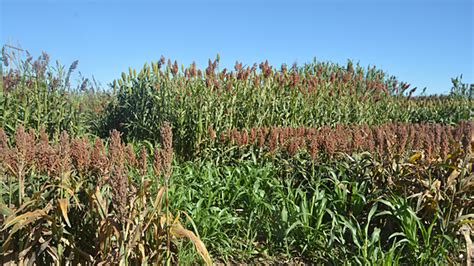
{"type": "Point", "coordinates": [166, 158]}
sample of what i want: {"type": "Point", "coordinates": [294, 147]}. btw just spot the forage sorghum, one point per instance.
{"type": "Point", "coordinates": [313, 147]}
{"type": "Point", "coordinates": [99, 161]}
{"type": "Point", "coordinates": [235, 137]}
{"type": "Point", "coordinates": [386, 140]}
{"type": "Point", "coordinates": [292, 146]}
{"type": "Point", "coordinates": [282, 134]}
{"type": "Point", "coordinates": [80, 154]}
{"type": "Point", "coordinates": [438, 137]}
{"type": "Point", "coordinates": [3, 145]}
{"type": "Point", "coordinates": [166, 149]}
{"type": "Point", "coordinates": [402, 138]}
{"type": "Point", "coordinates": [222, 137]}
{"type": "Point", "coordinates": [379, 139]}
{"type": "Point", "coordinates": [273, 141]}
{"type": "Point", "coordinates": [130, 155]}
{"type": "Point", "coordinates": [357, 139]}
{"type": "Point", "coordinates": [245, 137]}
{"type": "Point", "coordinates": [45, 154]}
{"type": "Point", "coordinates": [157, 162]}
{"type": "Point", "coordinates": [211, 133]}
{"type": "Point", "coordinates": [23, 154]}
{"type": "Point", "coordinates": [467, 135]}
{"type": "Point", "coordinates": [252, 135]}
{"type": "Point", "coordinates": [118, 175]}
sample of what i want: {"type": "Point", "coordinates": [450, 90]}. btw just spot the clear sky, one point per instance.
{"type": "Point", "coordinates": [419, 41]}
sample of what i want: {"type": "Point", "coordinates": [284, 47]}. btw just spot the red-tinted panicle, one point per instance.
{"type": "Point", "coordinates": [292, 146]}
{"type": "Point", "coordinates": [157, 162]}
{"type": "Point", "coordinates": [116, 148]}
{"type": "Point", "coordinates": [283, 134]}
{"type": "Point", "coordinates": [45, 154]}
{"type": "Point", "coordinates": [99, 161]}
{"type": "Point", "coordinates": [222, 137]}
{"type": "Point", "coordinates": [162, 61]}
{"type": "Point", "coordinates": [64, 152]}
{"type": "Point", "coordinates": [359, 136]}
{"type": "Point", "coordinates": [245, 137]}
{"type": "Point", "coordinates": [467, 135]}
{"type": "Point", "coordinates": [118, 175]}
{"type": "Point", "coordinates": [444, 143]}
{"type": "Point", "coordinates": [252, 136]}
{"type": "Point", "coordinates": [4, 149]}
{"type": "Point", "coordinates": [411, 137]}
{"type": "Point", "coordinates": [418, 141]}
{"type": "Point", "coordinates": [217, 85]}
{"type": "Point", "coordinates": [166, 135]}
{"type": "Point", "coordinates": [130, 155]}
{"type": "Point", "coordinates": [313, 147]}
{"type": "Point", "coordinates": [273, 141]}
{"type": "Point", "coordinates": [387, 140]}
{"type": "Point", "coordinates": [80, 154]}
{"type": "Point", "coordinates": [438, 137]}
{"type": "Point", "coordinates": [211, 133]}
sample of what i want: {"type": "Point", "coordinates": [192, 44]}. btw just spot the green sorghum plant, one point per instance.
{"type": "Point", "coordinates": [314, 95]}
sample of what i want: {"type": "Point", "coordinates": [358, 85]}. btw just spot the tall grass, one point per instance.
{"type": "Point", "coordinates": [71, 202]}
{"type": "Point", "coordinates": [36, 93]}
{"type": "Point", "coordinates": [352, 210]}
{"type": "Point", "coordinates": [319, 163]}
{"type": "Point", "coordinates": [432, 141]}
{"type": "Point", "coordinates": [313, 95]}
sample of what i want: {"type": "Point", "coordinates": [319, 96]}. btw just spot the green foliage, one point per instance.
{"type": "Point", "coordinates": [461, 89]}
{"type": "Point", "coordinates": [330, 212]}
{"type": "Point", "coordinates": [247, 203]}
{"type": "Point", "coordinates": [85, 206]}
{"type": "Point", "coordinates": [314, 95]}
{"type": "Point", "coordinates": [35, 94]}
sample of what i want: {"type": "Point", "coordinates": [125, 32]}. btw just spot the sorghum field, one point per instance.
{"type": "Point", "coordinates": [320, 163]}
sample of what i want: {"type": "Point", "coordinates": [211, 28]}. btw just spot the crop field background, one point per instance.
{"type": "Point", "coordinates": [318, 163]}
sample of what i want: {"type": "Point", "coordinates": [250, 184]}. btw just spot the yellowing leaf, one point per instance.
{"type": "Point", "coordinates": [159, 197]}
{"type": "Point", "coordinates": [466, 232]}
{"type": "Point", "coordinates": [179, 231]}
{"type": "Point", "coordinates": [415, 157]}
{"type": "Point", "coordinates": [26, 216]}
{"type": "Point", "coordinates": [63, 205]}
{"type": "Point", "coordinates": [452, 178]}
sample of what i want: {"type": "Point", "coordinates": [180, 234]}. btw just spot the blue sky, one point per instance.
{"type": "Point", "coordinates": [419, 41]}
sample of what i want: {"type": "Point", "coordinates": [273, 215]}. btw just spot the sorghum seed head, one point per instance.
{"type": "Point", "coordinates": [166, 149]}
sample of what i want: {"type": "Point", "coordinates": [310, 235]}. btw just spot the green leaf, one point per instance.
{"type": "Point", "coordinates": [284, 214]}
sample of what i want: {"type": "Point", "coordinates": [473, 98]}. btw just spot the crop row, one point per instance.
{"type": "Point", "coordinates": [386, 140]}
{"type": "Point", "coordinates": [319, 163]}
{"type": "Point", "coordinates": [74, 202]}
{"type": "Point", "coordinates": [146, 99]}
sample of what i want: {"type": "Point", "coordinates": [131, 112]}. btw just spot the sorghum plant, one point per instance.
{"type": "Point", "coordinates": [71, 201]}
{"type": "Point", "coordinates": [386, 141]}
